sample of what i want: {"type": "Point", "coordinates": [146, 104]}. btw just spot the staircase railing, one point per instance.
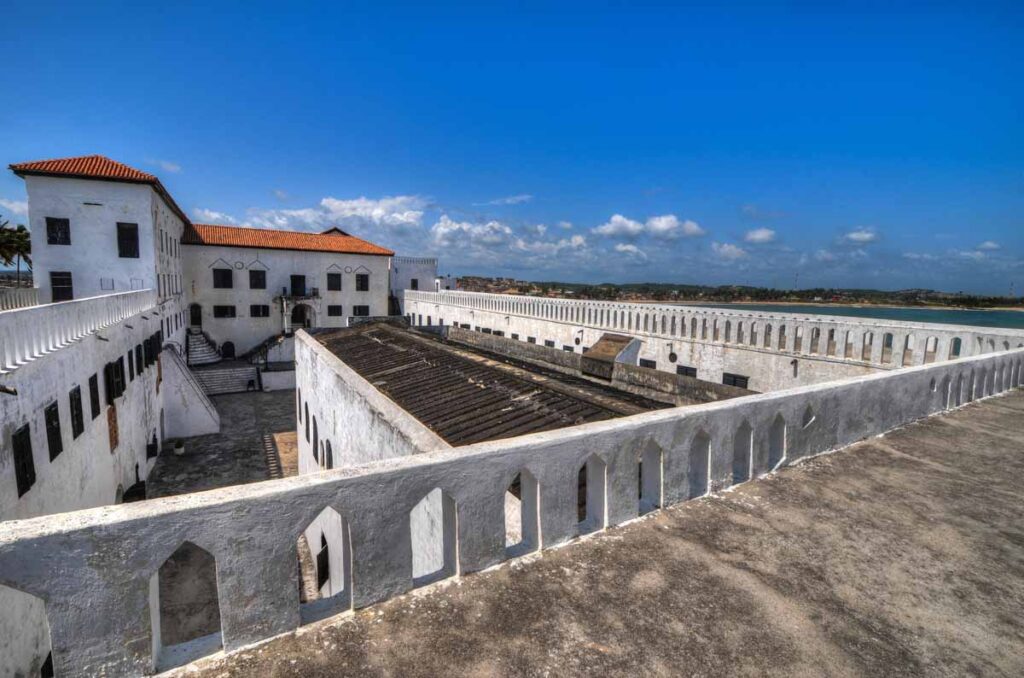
{"type": "Point", "coordinates": [191, 379]}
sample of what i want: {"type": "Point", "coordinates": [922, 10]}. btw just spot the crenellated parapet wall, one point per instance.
{"type": "Point", "coordinates": [100, 601]}
{"type": "Point", "coordinates": [18, 297]}
{"type": "Point", "coordinates": [27, 334]}
{"type": "Point", "coordinates": [714, 340]}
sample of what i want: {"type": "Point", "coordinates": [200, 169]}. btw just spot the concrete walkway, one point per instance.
{"type": "Point", "coordinates": [902, 555]}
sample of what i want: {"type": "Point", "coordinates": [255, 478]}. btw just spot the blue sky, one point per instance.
{"type": "Point", "coordinates": [874, 144]}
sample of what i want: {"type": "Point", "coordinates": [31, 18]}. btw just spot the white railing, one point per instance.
{"type": "Point", "coordinates": [108, 555]}
{"type": "Point", "coordinates": [888, 343]}
{"type": "Point", "coordinates": [18, 297]}
{"type": "Point", "coordinates": [30, 333]}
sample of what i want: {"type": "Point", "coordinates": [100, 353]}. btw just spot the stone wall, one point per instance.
{"type": "Point", "coordinates": [775, 350]}
{"type": "Point", "coordinates": [99, 605]}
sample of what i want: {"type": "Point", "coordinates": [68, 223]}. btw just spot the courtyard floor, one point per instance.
{"type": "Point", "coordinates": [901, 555]}
{"type": "Point", "coordinates": [256, 442]}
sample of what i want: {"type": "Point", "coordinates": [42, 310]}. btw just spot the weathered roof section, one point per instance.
{"type": "Point", "coordinates": [468, 398]}
{"type": "Point", "coordinates": [96, 167]}
{"type": "Point", "coordinates": [332, 240]}
{"type": "Point", "coordinates": [608, 347]}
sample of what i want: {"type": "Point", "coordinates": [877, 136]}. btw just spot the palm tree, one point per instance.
{"type": "Point", "coordinates": [15, 246]}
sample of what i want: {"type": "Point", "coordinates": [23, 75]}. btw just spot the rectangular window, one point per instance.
{"type": "Point", "coordinates": [334, 310]}
{"type": "Point", "coordinates": [113, 379]}
{"type": "Point", "coordinates": [298, 285]}
{"type": "Point", "coordinates": [333, 282]}
{"type": "Point", "coordinates": [53, 439]}
{"type": "Point", "coordinates": [735, 380]}
{"type": "Point", "coordinates": [362, 282]}
{"type": "Point", "coordinates": [644, 362]}
{"type": "Point", "coordinates": [361, 311]}
{"type": "Point", "coordinates": [568, 349]}
{"type": "Point", "coordinates": [24, 466]}
{"type": "Point", "coordinates": [550, 343]}
{"type": "Point", "coordinates": [414, 284]}
{"type": "Point", "coordinates": [58, 231]}
{"type": "Point", "coordinates": [531, 340]}
{"type": "Point", "coordinates": [131, 365]}
{"type": "Point", "coordinates": [61, 286]}
{"type": "Point", "coordinates": [222, 278]}
{"type": "Point", "coordinates": [686, 371]}
{"type": "Point", "coordinates": [257, 280]}
{"type": "Point", "coordinates": [127, 240]}
{"type": "Point", "coordinates": [223, 311]}
{"type": "Point", "coordinates": [77, 419]}
{"type": "Point", "coordinates": [94, 395]}
{"type": "Point", "coordinates": [515, 336]}
{"type": "Point", "coordinates": [259, 311]}
{"type": "Point", "coordinates": [497, 333]}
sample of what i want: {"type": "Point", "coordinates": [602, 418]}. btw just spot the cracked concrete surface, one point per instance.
{"type": "Point", "coordinates": [901, 555]}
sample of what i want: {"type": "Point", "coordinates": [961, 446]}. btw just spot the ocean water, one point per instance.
{"type": "Point", "coordinates": [953, 316]}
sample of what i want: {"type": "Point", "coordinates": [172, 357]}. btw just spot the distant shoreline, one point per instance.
{"type": "Point", "coordinates": [823, 304]}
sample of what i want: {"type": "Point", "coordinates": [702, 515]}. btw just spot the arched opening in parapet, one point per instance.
{"type": "Point", "coordinates": [767, 336]}
{"type": "Point", "coordinates": [976, 386]}
{"type": "Point", "coordinates": [753, 334]}
{"type": "Point", "coordinates": [815, 339]}
{"type": "Point", "coordinates": [776, 442]}
{"type": "Point", "coordinates": [433, 526]}
{"type": "Point", "coordinates": [119, 495]}
{"type": "Point", "coordinates": [887, 347]}
{"type": "Point", "coordinates": [327, 460]}
{"type": "Point", "coordinates": [808, 417]}
{"type": "Point", "coordinates": [782, 337]}
{"type": "Point", "coordinates": [847, 344]}
{"type": "Point", "coordinates": [728, 331]}
{"type": "Point", "coordinates": [798, 338]}
{"type": "Point", "coordinates": [185, 618]}
{"type": "Point", "coordinates": [693, 328]}
{"type": "Point", "coordinates": [195, 315]}
{"type": "Point", "coordinates": [698, 466]}
{"type": "Point", "coordinates": [25, 635]}
{"type": "Point", "coordinates": [869, 339]}
{"type": "Point", "coordinates": [944, 387]}
{"type": "Point", "coordinates": [649, 478]}
{"type": "Point", "coordinates": [522, 514]}
{"type": "Point", "coordinates": [1006, 346]}
{"type": "Point", "coordinates": [958, 391]}
{"type": "Point", "coordinates": [302, 316]}
{"type": "Point", "coordinates": [830, 345]}
{"type": "Point", "coordinates": [316, 441]}
{"type": "Point", "coordinates": [908, 350]}
{"type": "Point", "coordinates": [591, 483]}
{"type": "Point", "coordinates": [954, 348]}
{"type": "Point", "coordinates": [742, 453]}
{"type": "Point", "coordinates": [306, 417]}
{"type": "Point", "coordinates": [325, 566]}
{"type": "Point", "coordinates": [931, 346]}
{"type": "Point", "coordinates": [991, 345]}
{"type": "Point", "coordinates": [739, 332]}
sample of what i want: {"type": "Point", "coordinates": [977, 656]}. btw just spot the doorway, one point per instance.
{"type": "Point", "coordinates": [195, 315]}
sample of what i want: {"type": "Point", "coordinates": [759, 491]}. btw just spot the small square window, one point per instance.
{"type": "Point", "coordinates": [222, 278]}
{"type": "Point", "coordinates": [550, 343]}
{"type": "Point", "coordinates": [414, 284]}
{"type": "Point", "coordinates": [644, 362]}
{"type": "Point", "coordinates": [686, 371]}
{"type": "Point", "coordinates": [61, 286]}
{"type": "Point", "coordinates": [223, 311]}
{"type": "Point", "coordinates": [361, 311]}
{"type": "Point", "coordinates": [334, 282]}
{"type": "Point", "coordinates": [259, 310]}
{"type": "Point", "coordinates": [531, 340]}
{"type": "Point", "coordinates": [58, 231]}
{"type": "Point", "coordinates": [257, 280]}
{"type": "Point", "coordinates": [334, 310]}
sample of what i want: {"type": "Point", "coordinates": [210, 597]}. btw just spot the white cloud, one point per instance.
{"type": "Point", "coordinates": [280, 194]}
{"type": "Point", "coordinates": [669, 226]}
{"type": "Point", "coordinates": [919, 256]}
{"type": "Point", "coordinates": [824, 255]}
{"type": "Point", "coordinates": [631, 251]}
{"type": "Point", "coordinates": [167, 165]}
{"type": "Point", "coordinates": [539, 229]}
{"type": "Point", "coordinates": [549, 247]}
{"type": "Point", "coordinates": [450, 233]}
{"type": "Point", "coordinates": [18, 207]}
{"type": "Point", "coordinates": [567, 225]}
{"type": "Point", "coordinates": [973, 255]}
{"type": "Point", "coordinates": [398, 213]}
{"type": "Point", "coordinates": [665, 227]}
{"type": "Point", "coordinates": [760, 235]}
{"type": "Point", "coordinates": [988, 245]}
{"type": "Point", "coordinates": [509, 200]}
{"type": "Point", "coordinates": [728, 251]}
{"type": "Point", "coordinates": [619, 225]}
{"type": "Point", "coordinates": [861, 236]}
{"type": "Point", "coordinates": [213, 216]}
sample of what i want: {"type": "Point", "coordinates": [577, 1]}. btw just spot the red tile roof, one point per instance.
{"type": "Point", "coordinates": [261, 238]}
{"type": "Point", "coordinates": [96, 167]}
{"type": "Point", "coordinates": [86, 166]}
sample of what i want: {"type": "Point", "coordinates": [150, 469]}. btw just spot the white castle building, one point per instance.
{"type": "Point", "coordinates": [504, 425]}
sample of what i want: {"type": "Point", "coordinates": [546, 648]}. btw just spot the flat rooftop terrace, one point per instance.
{"type": "Point", "coordinates": [902, 554]}
{"type": "Point", "coordinates": [468, 396]}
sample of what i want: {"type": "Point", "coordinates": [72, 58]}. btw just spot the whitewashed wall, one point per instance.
{"type": "Point", "coordinates": [666, 329]}
{"type": "Point", "coordinates": [98, 607]}
{"type": "Point", "coordinates": [280, 265]}
{"type": "Point", "coordinates": [405, 269]}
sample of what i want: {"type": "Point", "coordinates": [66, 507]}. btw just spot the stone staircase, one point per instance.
{"type": "Point", "coordinates": [200, 350]}
{"type": "Point", "coordinates": [234, 379]}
